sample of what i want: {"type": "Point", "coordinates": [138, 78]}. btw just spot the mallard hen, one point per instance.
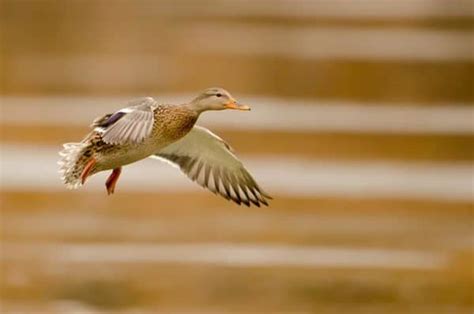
{"type": "Point", "coordinates": [145, 129]}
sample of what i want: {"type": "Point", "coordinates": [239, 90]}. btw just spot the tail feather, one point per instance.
{"type": "Point", "coordinates": [71, 164]}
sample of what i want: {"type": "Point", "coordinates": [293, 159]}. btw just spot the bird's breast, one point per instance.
{"type": "Point", "coordinates": [174, 126]}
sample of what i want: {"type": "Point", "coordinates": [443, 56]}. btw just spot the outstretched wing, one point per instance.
{"type": "Point", "coordinates": [128, 125]}
{"type": "Point", "coordinates": [208, 160]}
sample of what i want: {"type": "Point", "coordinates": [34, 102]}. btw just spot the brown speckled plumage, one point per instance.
{"type": "Point", "coordinates": [171, 122]}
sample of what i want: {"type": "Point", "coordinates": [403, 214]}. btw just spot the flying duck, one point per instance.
{"type": "Point", "coordinates": [146, 128]}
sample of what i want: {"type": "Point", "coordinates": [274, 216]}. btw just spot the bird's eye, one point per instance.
{"type": "Point", "coordinates": [219, 95]}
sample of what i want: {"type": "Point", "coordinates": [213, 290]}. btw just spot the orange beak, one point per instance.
{"type": "Point", "coordinates": [235, 105]}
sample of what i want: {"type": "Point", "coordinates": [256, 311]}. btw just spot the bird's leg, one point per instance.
{"type": "Point", "coordinates": [112, 180]}
{"type": "Point", "coordinates": [87, 170]}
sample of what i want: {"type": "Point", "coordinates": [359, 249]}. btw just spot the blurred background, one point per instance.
{"type": "Point", "coordinates": [361, 130]}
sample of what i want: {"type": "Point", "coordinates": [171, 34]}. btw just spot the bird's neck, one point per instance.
{"type": "Point", "coordinates": [195, 107]}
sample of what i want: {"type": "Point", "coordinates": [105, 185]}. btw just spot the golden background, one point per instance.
{"type": "Point", "coordinates": [372, 211]}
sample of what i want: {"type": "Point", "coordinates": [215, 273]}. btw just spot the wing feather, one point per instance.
{"type": "Point", "coordinates": [209, 161]}
{"type": "Point", "coordinates": [131, 124]}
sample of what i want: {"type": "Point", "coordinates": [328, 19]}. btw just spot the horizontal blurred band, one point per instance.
{"type": "Point", "coordinates": [33, 167]}
{"type": "Point", "coordinates": [195, 216]}
{"type": "Point", "coordinates": [334, 8]}
{"type": "Point", "coordinates": [367, 9]}
{"type": "Point", "coordinates": [310, 145]}
{"type": "Point", "coordinates": [228, 254]}
{"type": "Point", "coordinates": [129, 73]}
{"type": "Point", "coordinates": [330, 43]}
{"type": "Point", "coordinates": [272, 114]}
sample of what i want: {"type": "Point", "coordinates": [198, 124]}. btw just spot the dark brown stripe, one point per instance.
{"type": "Point", "coordinates": [319, 145]}
{"type": "Point", "coordinates": [199, 203]}
{"type": "Point", "coordinates": [30, 15]}
{"type": "Point", "coordinates": [435, 23]}
{"type": "Point", "coordinates": [365, 81]}
{"type": "Point", "coordinates": [353, 146]}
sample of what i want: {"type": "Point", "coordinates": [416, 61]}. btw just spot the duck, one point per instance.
{"type": "Point", "coordinates": [146, 128]}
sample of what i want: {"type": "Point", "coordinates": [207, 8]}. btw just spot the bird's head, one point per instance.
{"type": "Point", "coordinates": [216, 98]}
